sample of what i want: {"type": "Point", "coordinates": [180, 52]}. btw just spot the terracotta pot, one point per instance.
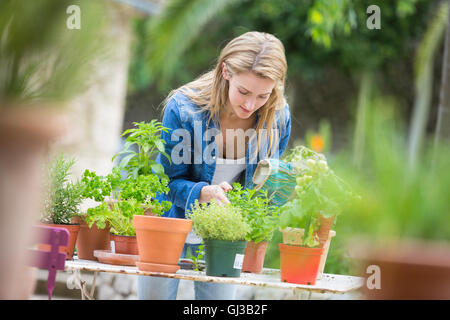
{"type": "Point", "coordinates": [160, 241]}
{"type": "Point", "coordinates": [73, 234]}
{"type": "Point", "coordinates": [124, 244]}
{"type": "Point", "coordinates": [25, 133]}
{"type": "Point", "coordinates": [90, 239]}
{"type": "Point", "coordinates": [254, 256]}
{"type": "Point", "coordinates": [323, 231]}
{"type": "Point", "coordinates": [409, 269]}
{"type": "Point", "coordinates": [323, 259]}
{"type": "Point", "coordinates": [299, 264]}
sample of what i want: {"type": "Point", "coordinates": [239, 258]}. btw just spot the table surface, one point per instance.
{"type": "Point", "coordinates": [269, 278]}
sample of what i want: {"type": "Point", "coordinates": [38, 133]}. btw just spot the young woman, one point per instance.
{"type": "Point", "coordinates": [220, 126]}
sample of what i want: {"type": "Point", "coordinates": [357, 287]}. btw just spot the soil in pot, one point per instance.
{"type": "Point", "coordinates": [90, 239]}
{"type": "Point", "coordinates": [161, 241]}
{"type": "Point", "coordinates": [299, 265]}
{"type": "Point", "coordinates": [224, 258]}
{"type": "Point", "coordinates": [73, 234]}
{"type": "Point", "coordinates": [254, 257]}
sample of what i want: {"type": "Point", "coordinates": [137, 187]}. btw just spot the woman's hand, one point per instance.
{"type": "Point", "coordinates": [216, 192]}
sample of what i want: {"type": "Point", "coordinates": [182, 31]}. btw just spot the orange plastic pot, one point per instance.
{"type": "Point", "coordinates": [254, 257]}
{"type": "Point", "coordinates": [90, 239]}
{"type": "Point", "coordinates": [299, 265]}
{"type": "Point", "coordinates": [160, 242]}
{"type": "Point", "coordinates": [125, 244]}
{"type": "Point", "coordinates": [73, 234]}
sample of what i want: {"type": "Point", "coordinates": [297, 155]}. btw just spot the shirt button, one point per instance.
{"type": "Point", "coordinates": [214, 157]}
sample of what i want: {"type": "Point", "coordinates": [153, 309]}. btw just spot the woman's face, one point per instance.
{"type": "Point", "coordinates": [247, 93]}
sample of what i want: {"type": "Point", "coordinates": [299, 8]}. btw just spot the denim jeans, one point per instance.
{"type": "Point", "coordinates": [157, 288]}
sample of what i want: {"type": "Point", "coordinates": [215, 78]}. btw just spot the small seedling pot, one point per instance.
{"type": "Point", "coordinates": [124, 244]}
{"type": "Point", "coordinates": [73, 234]}
{"type": "Point", "coordinates": [299, 265]}
{"type": "Point", "coordinates": [224, 258]}
{"type": "Point", "coordinates": [254, 257]}
{"type": "Point", "coordinates": [91, 239]}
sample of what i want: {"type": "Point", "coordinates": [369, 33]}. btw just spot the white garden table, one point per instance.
{"type": "Point", "coordinates": [269, 278]}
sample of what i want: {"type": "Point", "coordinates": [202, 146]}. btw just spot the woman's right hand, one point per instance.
{"type": "Point", "coordinates": [216, 192]}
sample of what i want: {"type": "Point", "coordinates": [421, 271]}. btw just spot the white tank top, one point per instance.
{"type": "Point", "coordinates": [227, 170]}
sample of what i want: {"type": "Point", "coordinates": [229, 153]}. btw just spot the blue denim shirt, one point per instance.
{"type": "Point", "coordinates": [190, 137]}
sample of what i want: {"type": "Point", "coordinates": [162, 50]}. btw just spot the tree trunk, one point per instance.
{"type": "Point", "coordinates": [443, 118]}
{"type": "Point", "coordinates": [423, 81]}
{"type": "Point", "coordinates": [360, 133]}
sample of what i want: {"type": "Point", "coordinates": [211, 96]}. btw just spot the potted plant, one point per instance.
{"type": "Point", "coordinates": [94, 231]}
{"type": "Point", "coordinates": [306, 220]}
{"type": "Point", "coordinates": [133, 195]}
{"type": "Point", "coordinates": [300, 258]}
{"type": "Point", "coordinates": [160, 240]}
{"type": "Point", "coordinates": [262, 219]}
{"type": "Point", "coordinates": [223, 230]}
{"type": "Point", "coordinates": [118, 217]}
{"type": "Point", "coordinates": [129, 197]}
{"type": "Point", "coordinates": [62, 202]}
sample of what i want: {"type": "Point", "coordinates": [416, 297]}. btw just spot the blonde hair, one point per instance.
{"type": "Point", "coordinates": [257, 52]}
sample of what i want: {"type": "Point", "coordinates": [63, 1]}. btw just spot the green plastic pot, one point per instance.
{"type": "Point", "coordinates": [224, 258]}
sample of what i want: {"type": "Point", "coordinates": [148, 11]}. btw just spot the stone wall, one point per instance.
{"type": "Point", "coordinates": [96, 116]}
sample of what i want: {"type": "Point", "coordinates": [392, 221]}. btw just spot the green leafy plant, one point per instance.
{"type": "Point", "coordinates": [118, 214]}
{"type": "Point", "coordinates": [319, 191]}
{"type": "Point", "coordinates": [129, 196]}
{"type": "Point", "coordinates": [198, 257]}
{"type": "Point", "coordinates": [40, 58]}
{"type": "Point", "coordinates": [64, 197]}
{"type": "Point", "coordinates": [219, 222]}
{"type": "Point", "coordinates": [259, 215]}
{"type": "Point", "coordinates": [147, 138]}
{"type": "Point", "coordinates": [137, 192]}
